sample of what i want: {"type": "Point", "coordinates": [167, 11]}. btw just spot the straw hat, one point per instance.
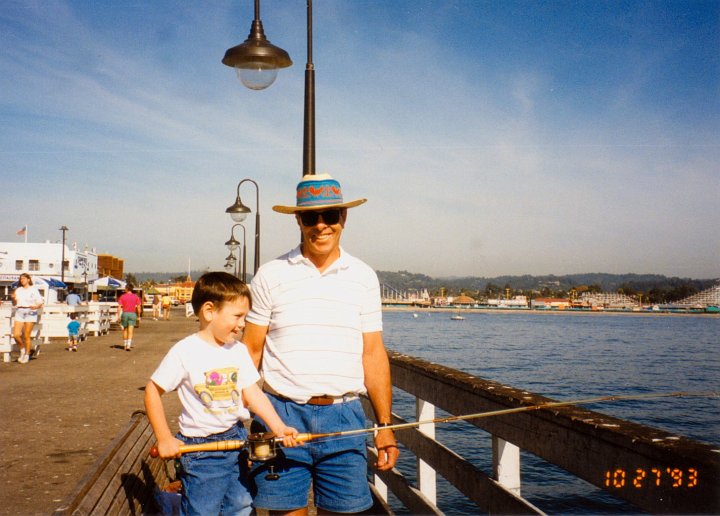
{"type": "Point", "coordinates": [318, 192]}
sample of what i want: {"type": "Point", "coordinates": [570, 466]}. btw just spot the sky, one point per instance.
{"type": "Point", "coordinates": [489, 137]}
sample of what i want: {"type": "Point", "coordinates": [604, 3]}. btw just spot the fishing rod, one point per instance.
{"type": "Point", "coordinates": [263, 445]}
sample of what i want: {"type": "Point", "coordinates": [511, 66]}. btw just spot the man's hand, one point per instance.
{"type": "Point", "coordinates": [388, 452]}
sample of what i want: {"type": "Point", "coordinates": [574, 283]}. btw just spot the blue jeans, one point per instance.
{"type": "Point", "coordinates": [336, 466]}
{"type": "Point", "coordinates": [215, 482]}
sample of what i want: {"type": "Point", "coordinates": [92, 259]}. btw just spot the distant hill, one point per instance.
{"type": "Point", "coordinates": [654, 287]}
{"type": "Point", "coordinates": [163, 277]}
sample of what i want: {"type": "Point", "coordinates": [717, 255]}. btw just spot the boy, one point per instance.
{"type": "Point", "coordinates": [217, 384]}
{"type": "Point", "coordinates": [73, 332]}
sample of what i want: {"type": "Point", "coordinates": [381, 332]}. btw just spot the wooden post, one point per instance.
{"type": "Point", "coordinates": [427, 476]}
{"type": "Point", "coordinates": [506, 464]}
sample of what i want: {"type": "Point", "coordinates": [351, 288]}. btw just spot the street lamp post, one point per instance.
{"type": "Point", "coordinates": [231, 263]}
{"type": "Point", "coordinates": [254, 54]}
{"type": "Point", "coordinates": [233, 244]}
{"type": "Point", "coordinates": [85, 275]}
{"type": "Point", "coordinates": [64, 229]}
{"type": "Point", "coordinates": [238, 212]}
{"type": "Point", "coordinates": [256, 60]}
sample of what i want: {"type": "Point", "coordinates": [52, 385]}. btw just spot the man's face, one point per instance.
{"type": "Point", "coordinates": [321, 237]}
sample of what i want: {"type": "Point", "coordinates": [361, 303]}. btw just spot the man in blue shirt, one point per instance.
{"type": "Point", "coordinates": [73, 299]}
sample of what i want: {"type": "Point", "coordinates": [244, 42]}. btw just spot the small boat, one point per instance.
{"type": "Point", "coordinates": [457, 317]}
{"type": "Point", "coordinates": [415, 316]}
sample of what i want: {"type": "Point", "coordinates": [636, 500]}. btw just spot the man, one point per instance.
{"type": "Point", "coordinates": [316, 327]}
{"type": "Point", "coordinates": [73, 299]}
{"type": "Point", "coordinates": [130, 307]}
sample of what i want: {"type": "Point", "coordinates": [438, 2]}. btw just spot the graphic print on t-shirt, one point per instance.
{"type": "Point", "coordinates": [219, 393]}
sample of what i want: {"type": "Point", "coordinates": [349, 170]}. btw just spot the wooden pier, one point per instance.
{"type": "Point", "coordinates": [64, 412]}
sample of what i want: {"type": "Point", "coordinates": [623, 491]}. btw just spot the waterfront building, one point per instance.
{"type": "Point", "coordinates": [550, 303]}
{"type": "Point", "coordinates": [109, 265]}
{"type": "Point", "coordinates": [610, 300]}
{"type": "Point", "coordinates": [514, 302]}
{"type": "Point", "coordinates": [49, 260]}
{"type": "Point", "coordinates": [181, 291]}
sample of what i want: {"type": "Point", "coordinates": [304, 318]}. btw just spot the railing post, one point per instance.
{"type": "Point", "coordinates": [426, 475]}
{"type": "Point", "coordinates": [381, 488]}
{"type": "Point", "coordinates": [506, 464]}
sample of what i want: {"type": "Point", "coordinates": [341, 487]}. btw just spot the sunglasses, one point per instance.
{"type": "Point", "coordinates": [311, 218]}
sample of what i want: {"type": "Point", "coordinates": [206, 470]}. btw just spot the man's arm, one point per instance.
{"type": "Point", "coordinates": [379, 387]}
{"type": "Point", "coordinates": [254, 339]}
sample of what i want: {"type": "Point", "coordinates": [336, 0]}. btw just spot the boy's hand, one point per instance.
{"type": "Point", "coordinates": [169, 448]}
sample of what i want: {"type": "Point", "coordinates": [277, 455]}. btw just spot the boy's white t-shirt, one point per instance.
{"type": "Point", "coordinates": [209, 380]}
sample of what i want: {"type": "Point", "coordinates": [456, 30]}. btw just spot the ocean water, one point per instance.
{"type": "Point", "coordinates": [565, 357]}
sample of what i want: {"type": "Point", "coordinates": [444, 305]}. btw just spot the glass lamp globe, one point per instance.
{"type": "Point", "coordinates": [238, 216]}
{"type": "Point", "coordinates": [257, 75]}
{"type": "Point", "coordinates": [232, 244]}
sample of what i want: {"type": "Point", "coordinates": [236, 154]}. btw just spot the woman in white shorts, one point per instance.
{"type": "Point", "coordinates": [27, 303]}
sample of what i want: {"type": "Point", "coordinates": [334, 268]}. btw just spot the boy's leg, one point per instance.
{"type": "Point", "coordinates": [212, 481]}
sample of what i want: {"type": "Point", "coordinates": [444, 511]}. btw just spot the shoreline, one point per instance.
{"type": "Point", "coordinates": [640, 313]}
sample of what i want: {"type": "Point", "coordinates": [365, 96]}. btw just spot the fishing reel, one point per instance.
{"type": "Point", "coordinates": [262, 447]}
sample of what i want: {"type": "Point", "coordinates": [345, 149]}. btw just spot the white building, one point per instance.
{"type": "Point", "coordinates": [515, 302]}
{"type": "Point", "coordinates": [44, 260]}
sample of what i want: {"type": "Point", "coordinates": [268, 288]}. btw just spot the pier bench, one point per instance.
{"type": "Point", "coordinates": [124, 479]}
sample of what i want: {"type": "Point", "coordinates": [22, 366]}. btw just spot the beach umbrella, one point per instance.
{"type": "Point", "coordinates": [108, 283]}
{"type": "Point", "coordinates": [43, 282]}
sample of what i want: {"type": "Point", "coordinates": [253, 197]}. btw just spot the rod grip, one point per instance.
{"type": "Point", "coordinates": [233, 444]}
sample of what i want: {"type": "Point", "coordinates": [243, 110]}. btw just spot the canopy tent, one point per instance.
{"type": "Point", "coordinates": [48, 288]}
{"type": "Point", "coordinates": [43, 282]}
{"type": "Point", "coordinates": [106, 283]}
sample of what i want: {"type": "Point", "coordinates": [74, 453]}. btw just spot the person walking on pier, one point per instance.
{"type": "Point", "coordinates": [28, 301]}
{"type": "Point", "coordinates": [130, 306]}
{"type": "Point", "coordinates": [315, 332]}
{"type": "Point", "coordinates": [156, 307]}
{"type": "Point", "coordinates": [166, 305]}
{"type": "Point", "coordinates": [217, 384]}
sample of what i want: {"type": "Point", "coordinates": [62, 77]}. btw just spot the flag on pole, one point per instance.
{"type": "Point", "coordinates": [22, 231]}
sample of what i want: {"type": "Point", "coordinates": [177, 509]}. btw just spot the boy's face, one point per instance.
{"type": "Point", "coordinates": [228, 321]}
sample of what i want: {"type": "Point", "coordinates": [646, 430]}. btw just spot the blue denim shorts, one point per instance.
{"type": "Point", "coordinates": [215, 482]}
{"type": "Point", "coordinates": [337, 466]}
{"type": "Point", "coordinates": [26, 315]}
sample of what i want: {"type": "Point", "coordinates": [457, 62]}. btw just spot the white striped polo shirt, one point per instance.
{"type": "Point", "coordinates": [315, 323]}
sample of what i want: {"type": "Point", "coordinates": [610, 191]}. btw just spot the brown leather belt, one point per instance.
{"type": "Point", "coordinates": [325, 399]}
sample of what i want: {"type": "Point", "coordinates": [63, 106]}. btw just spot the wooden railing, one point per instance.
{"type": "Point", "coordinates": [95, 319]}
{"type": "Point", "coordinates": [656, 471]}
